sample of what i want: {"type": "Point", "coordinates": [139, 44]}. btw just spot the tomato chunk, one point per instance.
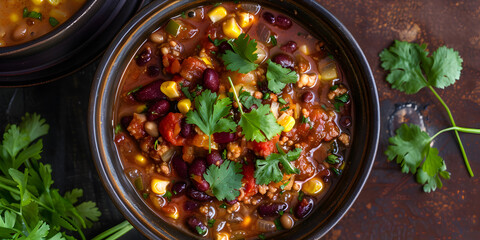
{"type": "Point", "coordinates": [170, 129]}
{"type": "Point", "coordinates": [264, 149]}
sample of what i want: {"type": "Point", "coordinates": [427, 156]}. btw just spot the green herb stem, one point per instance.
{"type": "Point", "coordinates": [115, 232]}
{"type": "Point", "coordinates": [464, 154]}
{"type": "Point", "coordinates": [461, 129]}
{"type": "Point", "coordinates": [235, 95]}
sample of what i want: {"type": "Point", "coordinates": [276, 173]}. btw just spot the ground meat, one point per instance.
{"type": "Point", "coordinates": [136, 127]}
{"type": "Point", "coordinates": [262, 189]}
{"type": "Point", "coordinates": [307, 80]}
{"type": "Point", "coordinates": [233, 151]}
{"type": "Point", "coordinates": [192, 68]}
{"type": "Point", "coordinates": [337, 92]}
{"type": "Point", "coordinates": [345, 139]}
{"type": "Point", "coordinates": [161, 148]}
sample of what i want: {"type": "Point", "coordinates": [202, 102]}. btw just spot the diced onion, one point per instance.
{"type": "Point", "coordinates": [265, 226]}
{"type": "Point", "coordinates": [251, 7]}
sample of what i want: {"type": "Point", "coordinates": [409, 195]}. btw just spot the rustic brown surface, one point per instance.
{"type": "Point", "coordinates": [392, 205]}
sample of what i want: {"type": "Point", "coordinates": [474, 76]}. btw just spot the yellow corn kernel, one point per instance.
{"type": "Point", "coordinates": [313, 186]}
{"type": "Point", "coordinates": [184, 105]}
{"type": "Point", "coordinates": [287, 122]}
{"type": "Point", "coordinates": [217, 14]}
{"type": "Point", "coordinates": [245, 19]}
{"type": "Point", "coordinates": [140, 160]}
{"type": "Point", "coordinates": [304, 49]}
{"type": "Point", "coordinates": [231, 29]}
{"type": "Point", "coordinates": [58, 14]}
{"type": "Point", "coordinates": [222, 236]}
{"type": "Point", "coordinates": [2, 43]}
{"type": "Point", "coordinates": [54, 2]}
{"type": "Point", "coordinates": [170, 89]}
{"type": "Point", "coordinates": [14, 17]}
{"type": "Point", "coordinates": [206, 61]}
{"type": "Point", "coordinates": [37, 2]}
{"type": "Point", "coordinates": [36, 9]}
{"type": "Point", "coordinates": [172, 212]}
{"type": "Point", "coordinates": [159, 186]}
{"type": "Point", "coordinates": [141, 108]}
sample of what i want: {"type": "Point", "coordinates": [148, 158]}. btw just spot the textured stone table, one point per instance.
{"type": "Point", "coordinates": [392, 205]}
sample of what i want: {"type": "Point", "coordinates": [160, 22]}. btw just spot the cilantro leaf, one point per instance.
{"type": "Point", "coordinates": [259, 124]}
{"type": "Point", "coordinates": [268, 170]}
{"type": "Point", "coordinates": [411, 149]}
{"type": "Point", "coordinates": [225, 180]}
{"type": "Point", "coordinates": [89, 212]}
{"type": "Point", "coordinates": [209, 114]}
{"type": "Point", "coordinates": [278, 76]}
{"type": "Point", "coordinates": [405, 61]}
{"type": "Point", "coordinates": [248, 100]}
{"type": "Point", "coordinates": [243, 56]}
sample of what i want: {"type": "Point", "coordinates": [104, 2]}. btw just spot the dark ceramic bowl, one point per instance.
{"type": "Point", "coordinates": [307, 12]}
{"type": "Point", "coordinates": [75, 43]}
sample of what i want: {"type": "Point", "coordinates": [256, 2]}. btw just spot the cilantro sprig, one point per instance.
{"type": "Point", "coordinates": [278, 77]}
{"type": "Point", "coordinates": [412, 69]}
{"type": "Point", "coordinates": [210, 114]}
{"type": "Point", "coordinates": [30, 207]}
{"type": "Point", "coordinates": [243, 56]}
{"type": "Point", "coordinates": [268, 170]}
{"type": "Point", "coordinates": [225, 180]}
{"type": "Point", "coordinates": [259, 124]}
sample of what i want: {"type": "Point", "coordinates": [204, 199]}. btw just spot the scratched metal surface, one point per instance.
{"type": "Point", "coordinates": [392, 205]}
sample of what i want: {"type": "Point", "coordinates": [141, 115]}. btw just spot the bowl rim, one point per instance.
{"type": "Point", "coordinates": [97, 104]}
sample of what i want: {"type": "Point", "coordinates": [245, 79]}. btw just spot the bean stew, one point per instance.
{"type": "Point", "coordinates": [24, 20]}
{"type": "Point", "coordinates": [232, 121]}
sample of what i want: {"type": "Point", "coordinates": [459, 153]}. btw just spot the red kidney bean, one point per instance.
{"type": "Point", "coordinates": [283, 22]}
{"type": "Point", "coordinates": [196, 171]}
{"type": "Point", "coordinates": [190, 205]}
{"type": "Point", "coordinates": [210, 80]}
{"type": "Point", "coordinates": [187, 130]}
{"type": "Point", "coordinates": [223, 47]}
{"type": "Point", "coordinates": [284, 60]}
{"type": "Point", "coordinates": [180, 166]}
{"type": "Point", "coordinates": [125, 121]}
{"type": "Point", "coordinates": [197, 195]}
{"type": "Point", "coordinates": [269, 17]}
{"type": "Point", "coordinates": [289, 47]}
{"type": "Point", "coordinates": [303, 208]}
{"type": "Point", "coordinates": [232, 201]}
{"type": "Point", "coordinates": [271, 209]}
{"type": "Point", "coordinates": [144, 57]}
{"type": "Point", "coordinates": [223, 137]}
{"type": "Point", "coordinates": [158, 109]}
{"type": "Point", "coordinates": [153, 71]}
{"type": "Point", "coordinates": [197, 226]}
{"type": "Point", "coordinates": [150, 92]}
{"type": "Point", "coordinates": [214, 158]}
{"type": "Point", "coordinates": [179, 188]}
{"type": "Point", "coordinates": [308, 96]}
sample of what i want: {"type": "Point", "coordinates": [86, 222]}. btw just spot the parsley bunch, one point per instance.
{"type": "Point", "coordinates": [412, 69]}
{"type": "Point", "coordinates": [29, 207]}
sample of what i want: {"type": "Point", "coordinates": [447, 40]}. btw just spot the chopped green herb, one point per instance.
{"type": "Point", "coordinates": [217, 41]}
{"type": "Point", "coordinates": [338, 105]}
{"type": "Point", "coordinates": [183, 15]}
{"type": "Point", "coordinates": [261, 236]}
{"type": "Point", "coordinates": [210, 222]}
{"type": "Point", "coordinates": [223, 205]}
{"type": "Point", "coordinates": [344, 98]}
{"type": "Point", "coordinates": [32, 14]}
{"type": "Point", "coordinates": [291, 211]}
{"type": "Point", "coordinates": [331, 57]}
{"type": "Point", "coordinates": [278, 224]}
{"type": "Point", "coordinates": [53, 21]}
{"type": "Point", "coordinates": [281, 213]}
{"type": "Point", "coordinates": [248, 100]}
{"type": "Point", "coordinates": [217, 4]}
{"type": "Point", "coordinates": [305, 119]}
{"type": "Point", "coordinates": [266, 96]}
{"type": "Point", "coordinates": [224, 154]}
{"type": "Point", "coordinates": [186, 92]}
{"type": "Point", "coordinates": [300, 195]}
{"type": "Point", "coordinates": [333, 88]}
{"type": "Point", "coordinates": [200, 230]}
{"type": "Point", "coordinates": [273, 40]}
{"type": "Point", "coordinates": [332, 159]}
{"type": "Point", "coordinates": [145, 195]}
{"type": "Point", "coordinates": [324, 107]}
{"type": "Point", "coordinates": [134, 90]}
{"type": "Point", "coordinates": [168, 195]}
{"type": "Point", "coordinates": [336, 171]}
{"type": "Point", "coordinates": [118, 128]}
{"type": "Point", "coordinates": [285, 108]}
{"type": "Point", "coordinates": [284, 185]}
{"type": "Point", "coordinates": [282, 101]}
